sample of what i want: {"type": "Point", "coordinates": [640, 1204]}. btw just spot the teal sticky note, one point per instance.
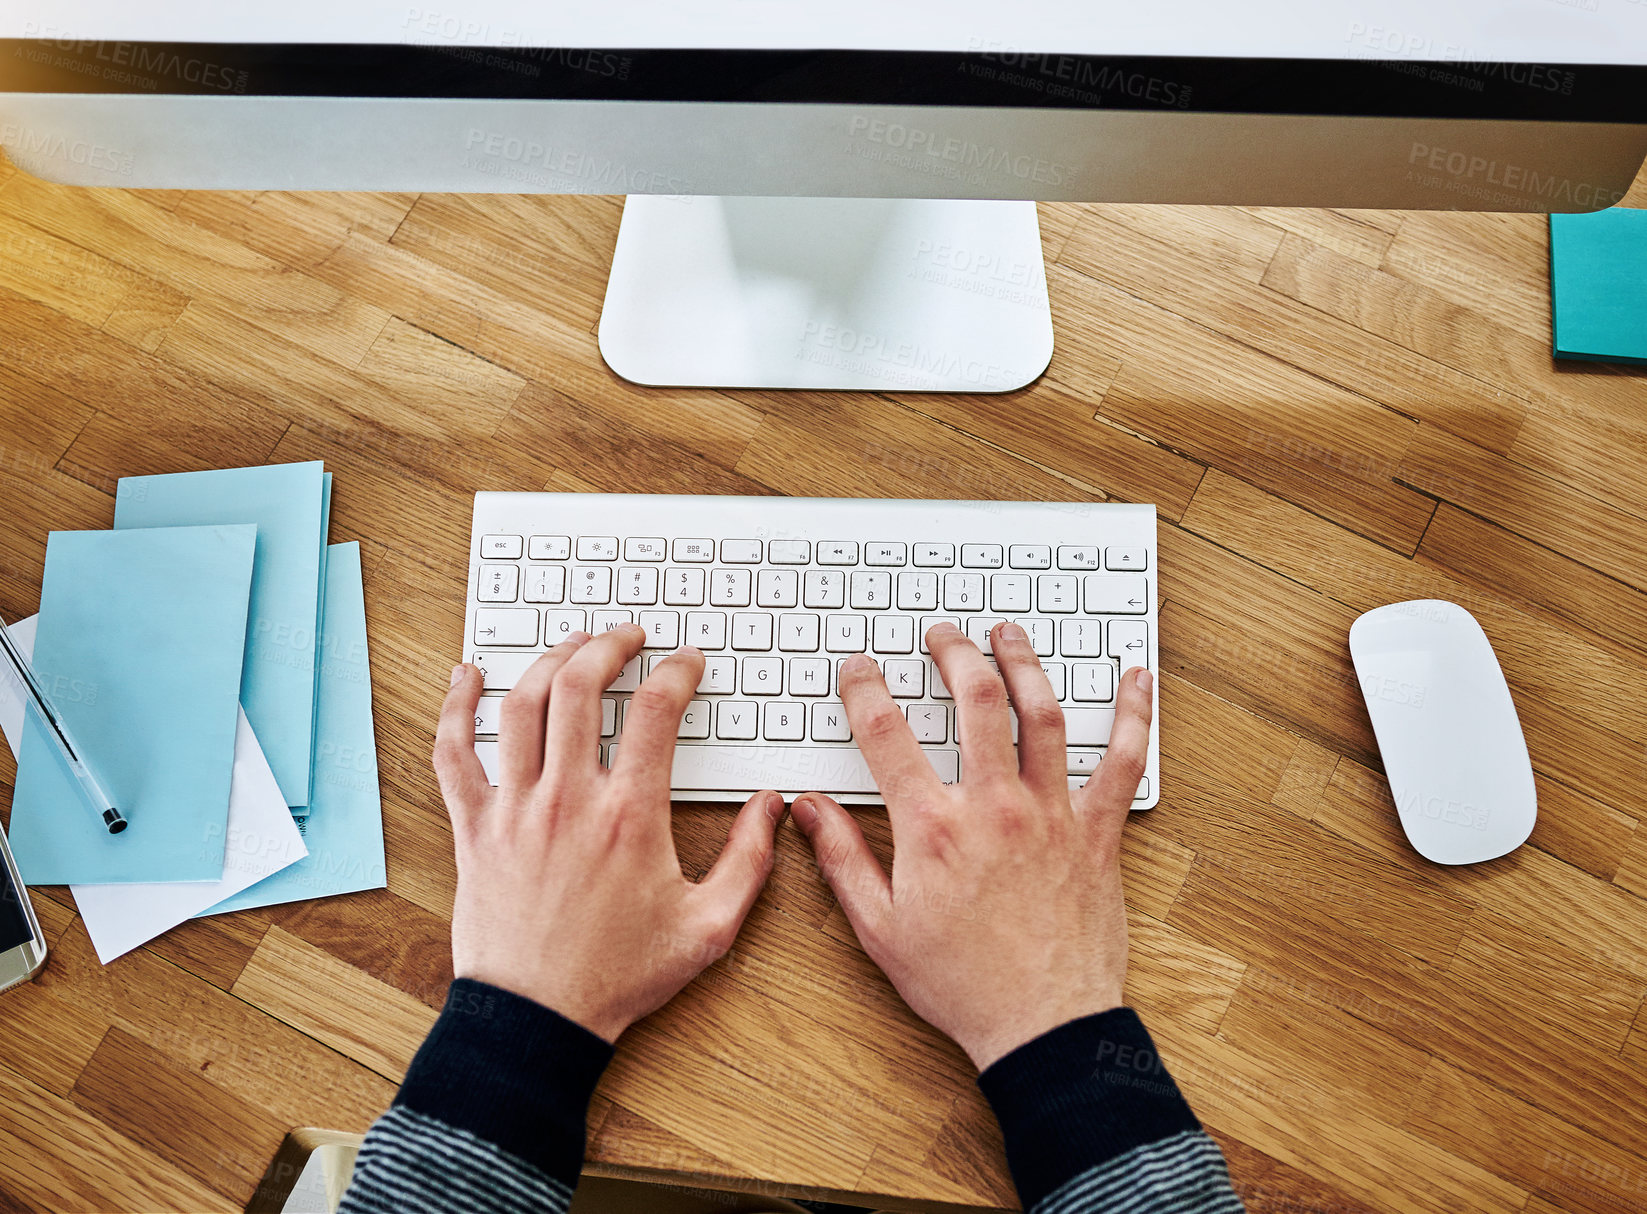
{"type": "Point", "coordinates": [287, 504]}
{"type": "Point", "coordinates": [140, 643]}
{"type": "Point", "coordinates": [1598, 279]}
{"type": "Point", "coordinates": [344, 826]}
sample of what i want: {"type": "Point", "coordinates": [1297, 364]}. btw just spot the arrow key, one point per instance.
{"type": "Point", "coordinates": [1129, 641]}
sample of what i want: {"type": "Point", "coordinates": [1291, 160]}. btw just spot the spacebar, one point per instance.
{"type": "Point", "coordinates": [786, 768]}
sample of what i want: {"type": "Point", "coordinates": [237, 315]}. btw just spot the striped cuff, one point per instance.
{"type": "Point", "coordinates": [412, 1164]}
{"type": "Point", "coordinates": [1080, 1096]}
{"type": "Point", "coordinates": [1184, 1174]}
{"type": "Point", "coordinates": [510, 1072]}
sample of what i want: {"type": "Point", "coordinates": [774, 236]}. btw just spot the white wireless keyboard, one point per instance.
{"type": "Point", "coordinates": [776, 591]}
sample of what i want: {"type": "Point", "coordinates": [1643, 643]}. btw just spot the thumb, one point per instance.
{"type": "Point", "coordinates": [740, 872]}
{"type": "Point", "coordinates": [844, 858]}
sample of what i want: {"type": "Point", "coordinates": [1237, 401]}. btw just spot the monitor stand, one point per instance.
{"type": "Point", "coordinates": [914, 295]}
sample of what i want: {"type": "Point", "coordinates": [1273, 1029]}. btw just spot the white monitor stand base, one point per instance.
{"type": "Point", "coordinates": [914, 295]}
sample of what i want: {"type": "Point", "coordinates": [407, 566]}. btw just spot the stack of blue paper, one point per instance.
{"type": "Point", "coordinates": [209, 655]}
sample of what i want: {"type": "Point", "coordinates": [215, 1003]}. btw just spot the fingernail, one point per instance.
{"type": "Point", "coordinates": [774, 806]}
{"type": "Point", "coordinates": [689, 650]}
{"type": "Point", "coordinates": [805, 811]}
{"type": "Point", "coordinates": [944, 626]}
{"type": "Point", "coordinates": [1012, 632]}
{"type": "Point", "coordinates": [457, 674]}
{"type": "Point", "coordinates": [857, 661]}
{"type": "Point", "coordinates": [1145, 681]}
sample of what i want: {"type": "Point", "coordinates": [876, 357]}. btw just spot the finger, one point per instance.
{"type": "Point", "coordinates": [463, 782]}
{"type": "Point", "coordinates": [573, 741]}
{"type": "Point", "coordinates": [740, 872]}
{"type": "Point", "coordinates": [1043, 757]}
{"type": "Point", "coordinates": [523, 721]}
{"type": "Point", "coordinates": [652, 723]}
{"type": "Point", "coordinates": [902, 771]}
{"type": "Point", "coordinates": [982, 722]}
{"type": "Point", "coordinates": [854, 874]}
{"type": "Point", "coordinates": [1109, 792]}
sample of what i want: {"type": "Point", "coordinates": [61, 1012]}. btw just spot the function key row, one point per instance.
{"type": "Point", "coordinates": [800, 552]}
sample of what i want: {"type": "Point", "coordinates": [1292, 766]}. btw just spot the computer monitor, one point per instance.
{"type": "Point", "coordinates": [841, 196]}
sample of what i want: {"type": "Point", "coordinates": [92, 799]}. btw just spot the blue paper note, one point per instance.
{"type": "Point", "coordinates": [344, 827]}
{"type": "Point", "coordinates": [287, 503]}
{"type": "Point", "coordinates": [140, 643]}
{"type": "Point", "coordinates": [1598, 280]}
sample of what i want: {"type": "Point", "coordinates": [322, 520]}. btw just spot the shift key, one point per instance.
{"type": "Point", "coordinates": [1082, 726]}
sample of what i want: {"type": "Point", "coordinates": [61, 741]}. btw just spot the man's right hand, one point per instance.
{"type": "Point", "coordinates": [1003, 917]}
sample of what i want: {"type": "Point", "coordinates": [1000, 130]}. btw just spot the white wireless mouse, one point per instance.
{"type": "Point", "coordinates": [1448, 730]}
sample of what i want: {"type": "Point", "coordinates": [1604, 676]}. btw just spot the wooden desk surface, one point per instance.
{"type": "Point", "coordinates": [1331, 410]}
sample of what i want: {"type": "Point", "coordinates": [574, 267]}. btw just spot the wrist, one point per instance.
{"type": "Point", "coordinates": [602, 1022]}
{"type": "Point", "coordinates": [988, 1046]}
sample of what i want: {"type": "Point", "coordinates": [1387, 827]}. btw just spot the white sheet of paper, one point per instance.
{"type": "Point", "coordinates": [262, 839]}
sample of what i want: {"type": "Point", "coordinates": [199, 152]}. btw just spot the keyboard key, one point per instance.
{"type": "Point", "coordinates": [885, 553]}
{"type": "Point", "coordinates": [1126, 558]}
{"type": "Point", "coordinates": [798, 632]}
{"type": "Point", "coordinates": [1107, 595]}
{"type": "Point", "coordinates": [789, 552]}
{"type": "Point", "coordinates": [695, 720]}
{"type": "Point", "coordinates": [558, 625]}
{"type": "Point", "coordinates": [597, 547]}
{"type": "Point", "coordinates": [925, 623]}
{"type": "Point", "coordinates": [609, 618]}
{"type": "Point", "coordinates": [829, 723]}
{"type": "Point", "coordinates": [1040, 635]}
{"type": "Point", "coordinates": [501, 671]}
{"type": "Point", "coordinates": [644, 549]}
{"type": "Point", "coordinates": [500, 547]}
{"type": "Point", "coordinates": [549, 547]}
{"type": "Point", "coordinates": [730, 587]}
{"type": "Point", "coordinates": [777, 588]}
{"type": "Point", "coordinates": [799, 768]}
{"type": "Point", "coordinates": [981, 556]}
{"type": "Point", "coordinates": [978, 627]}
{"type": "Point", "coordinates": [1081, 638]}
{"type": "Point", "coordinates": [785, 721]}
{"type": "Point", "coordinates": [506, 626]}
{"type": "Point", "coordinates": [894, 634]}
{"type": "Point", "coordinates": [591, 584]}
{"type": "Point", "coordinates": [1084, 762]}
{"type": "Point", "coordinates": [663, 629]}
{"type": "Point", "coordinates": [917, 591]}
{"type": "Point", "coordinates": [751, 630]}
{"type": "Point", "coordinates": [928, 722]}
{"type": "Point", "coordinates": [837, 552]}
{"type": "Point", "coordinates": [499, 583]}
{"type": "Point", "coordinates": [638, 586]}
{"type": "Point", "coordinates": [629, 677]}
{"type": "Point", "coordinates": [1030, 556]}
{"type": "Point", "coordinates": [696, 552]}
{"type": "Point", "coordinates": [684, 587]}
{"type": "Point", "coordinates": [824, 588]}
{"type": "Point", "coordinates": [545, 583]}
{"type": "Point", "coordinates": [1055, 675]}
{"type": "Point", "coordinates": [935, 556]}
{"type": "Point", "coordinates": [1076, 556]}
{"type": "Point", "coordinates": [706, 629]}
{"type": "Point", "coordinates": [871, 591]}
{"type": "Point", "coordinates": [1009, 592]}
{"type": "Point", "coordinates": [906, 678]}
{"type": "Point", "coordinates": [1129, 641]}
{"type": "Point", "coordinates": [487, 714]}
{"type": "Point", "coordinates": [487, 753]}
{"type": "Point", "coordinates": [735, 720]}
{"type": "Point", "coordinates": [762, 676]}
{"type": "Point", "coordinates": [809, 677]}
{"type": "Point", "coordinates": [1057, 594]}
{"type": "Point", "coordinates": [741, 552]}
{"type": "Point", "coordinates": [963, 592]}
{"type": "Point", "coordinates": [720, 676]}
{"type": "Point", "coordinates": [845, 633]}
{"type": "Point", "coordinates": [1082, 726]}
{"type": "Point", "coordinates": [1093, 682]}
{"type": "Point", "coordinates": [608, 718]}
